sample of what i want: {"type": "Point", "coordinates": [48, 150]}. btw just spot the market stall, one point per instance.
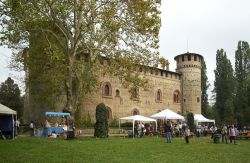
{"type": "Point", "coordinates": [58, 128]}
{"type": "Point", "coordinates": [7, 119]}
{"type": "Point", "coordinates": [137, 118]}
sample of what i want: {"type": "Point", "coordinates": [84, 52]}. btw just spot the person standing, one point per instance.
{"type": "Point", "coordinates": [186, 134]}
{"type": "Point", "coordinates": [17, 124]}
{"type": "Point", "coordinates": [168, 131]}
{"type": "Point", "coordinates": [232, 134]}
{"type": "Point", "coordinates": [224, 133]}
{"type": "Point", "coordinates": [31, 126]}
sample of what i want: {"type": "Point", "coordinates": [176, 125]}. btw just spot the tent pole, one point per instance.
{"type": "Point", "coordinates": [156, 128]}
{"type": "Point", "coordinates": [133, 129]}
{"type": "Point", "coordinates": [13, 130]}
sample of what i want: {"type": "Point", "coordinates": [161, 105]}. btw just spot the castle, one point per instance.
{"type": "Point", "coordinates": [179, 91]}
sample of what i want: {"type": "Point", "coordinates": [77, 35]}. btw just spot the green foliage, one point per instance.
{"type": "Point", "coordinates": [127, 124]}
{"type": "Point", "coordinates": [190, 121]}
{"type": "Point", "coordinates": [10, 96]}
{"type": "Point", "coordinates": [84, 121]}
{"type": "Point", "coordinates": [224, 87]}
{"type": "Point", "coordinates": [242, 70]}
{"type": "Point", "coordinates": [114, 122]}
{"type": "Point", "coordinates": [83, 32]}
{"type": "Point", "coordinates": [101, 125]}
{"type": "Point", "coordinates": [204, 87]}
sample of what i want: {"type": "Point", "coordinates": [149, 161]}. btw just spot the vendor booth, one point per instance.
{"type": "Point", "coordinates": [198, 118]}
{"type": "Point", "coordinates": [137, 118]}
{"type": "Point", "coordinates": [167, 114]}
{"type": "Point", "coordinates": [7, 119]}
{"type": "Point", "coordinates": [56, 129]}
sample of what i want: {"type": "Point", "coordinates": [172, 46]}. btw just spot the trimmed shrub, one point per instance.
{"type": "Point", "coordinates": [190, 121]}
{"type": "Point", "coordinates": [101, 125]}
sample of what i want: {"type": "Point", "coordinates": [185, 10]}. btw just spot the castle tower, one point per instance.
{"type": "Point", "coordinates": [189, 65]}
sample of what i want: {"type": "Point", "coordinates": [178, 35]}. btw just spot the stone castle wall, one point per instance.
{"type": "Point", "coordinates": [147, 103]}
{"type": "Point", "coordinates": [184, 84]}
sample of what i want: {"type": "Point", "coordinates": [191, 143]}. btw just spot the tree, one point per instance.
{"type": "Point", "coordinates": [224, 87]}
{"type": "Point", "coordinates": [190, 121]}
{"type": "Point", "coordinates": [101, 125]}
{"type": "Point", "coordinates": [204, 87]}
{"type": "Point", "coordinates": [125, 32]}
{"type": "Point", "coordinates": [242, 69]}
{"type": "Point", "coordinates": [10, 96]}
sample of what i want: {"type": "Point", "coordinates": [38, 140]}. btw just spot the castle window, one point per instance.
{"type": "Point", "coordinates": [107, 90]}
{"type": "Point", "coordinates": [158, 95]}
{"type": "Point", "coordinates": [166, 74]}
{"type": "Point", "coordinates": [135, 112]}
{"type": "Point", "coordinates": [195, 58]}
{"type": "Point", "coordinates": [134, 93]}
{"type": "Point", "coordinates": [176, 96]}
{"type": "Point", "coordinates": [117, 93]}
{"type": "Point", "coordinates": [199, 58]}
{"type": "Point", "coordinates": [162, 73]}
{"type": "Point", "coordinates": [183, 59]}
{"type": "Point", "coordinates": [184, 100]}
{"type": "Point", "coordinates": [198, 99]}
{"type": "Point", "coordinates": [140, 69]}
{"type": "Point", "coordinates": [189, 57]}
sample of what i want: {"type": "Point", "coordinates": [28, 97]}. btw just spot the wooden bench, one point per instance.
{"type": "Point", "coordinates": [244, 135]}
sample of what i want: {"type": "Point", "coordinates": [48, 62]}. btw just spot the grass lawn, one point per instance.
{"type": "Point", "coordinates": [116, 149]}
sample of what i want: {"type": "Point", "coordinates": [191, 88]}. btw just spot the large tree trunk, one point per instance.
{"type": "Point", "coordinates": [69, 87]}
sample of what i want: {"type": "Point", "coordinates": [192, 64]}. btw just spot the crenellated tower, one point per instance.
{"type": "Point", "coordinates": [189, 65]}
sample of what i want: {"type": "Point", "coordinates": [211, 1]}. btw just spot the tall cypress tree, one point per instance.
{"type": "Point", "coordinates": [242, 69]}
{"type": "Point", "coordinates": [204, 87]}
{"type": "Point", "coordinates": [224, 88]}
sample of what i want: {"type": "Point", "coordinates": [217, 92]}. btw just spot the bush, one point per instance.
{"type": "Point", "coordinates": [127, 124]}
{"type": "Point", "coordinates": [101, 125]}
{"type": "Point", "coordinates": [84, 121]}
{"type": "Point", "coordinates": [190, 121]}
{"type": "Point", "coordinates": [114, 123]}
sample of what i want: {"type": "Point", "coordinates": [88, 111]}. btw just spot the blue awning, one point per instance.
{"type": "Point", "coordinates": [57, 114]}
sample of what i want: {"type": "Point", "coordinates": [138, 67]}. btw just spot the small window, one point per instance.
{"type": "Point", "coordinates": [140, 69]}
{"type": "Point", "coordinates": [162, 73]}
{"type": "Point", "coordinates": [183, 59]}
{"type": "Point", "coordinates": [184, 100]}
{"type": "Point", "coordinates": [195, 58]}
{"type": "Point", "coordinates": [166, 74]}
{"type": "Point", "coordinates": [198, 99]}
{"type": "Point", "coordinates": [189, 57]}
{"type": "Point", "coordinates": [135, 112]}
{"type": "Point", "coordinates": [176, 96]}
{"type": "Point", "coordinates": [117, 93]}
{"type": "Point", "coordinates": [158, 95]}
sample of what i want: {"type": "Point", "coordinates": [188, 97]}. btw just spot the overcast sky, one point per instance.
{"type": "Point", "coordinates": [203, 26]}
{"type": "Point", "coordinates": [198, 26]}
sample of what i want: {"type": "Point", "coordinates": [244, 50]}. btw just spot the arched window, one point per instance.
{"type": "Point", "coordinates": [135, 112]}
{"type": "Point", "coordinates": [109, 113]}
{"type": "Point", "coordinates": [176, 96]}
{"type": "Point", "coordinates": [158, 95]}
{"type": "Point", "coordinates": [107, 90]}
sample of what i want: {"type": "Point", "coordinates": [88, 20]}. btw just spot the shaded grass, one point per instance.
{"type": "Point", "coordinates": [116, 149]}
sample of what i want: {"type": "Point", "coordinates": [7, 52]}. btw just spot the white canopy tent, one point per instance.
{"type": "Point", "coordinates": [7, 111]}
{"type": "Point", "coordinates": [200, 118]}
{"type": "Point", "coordinates": [167, 114]}
{"type": "Point", "coordinates": [137, 118]}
